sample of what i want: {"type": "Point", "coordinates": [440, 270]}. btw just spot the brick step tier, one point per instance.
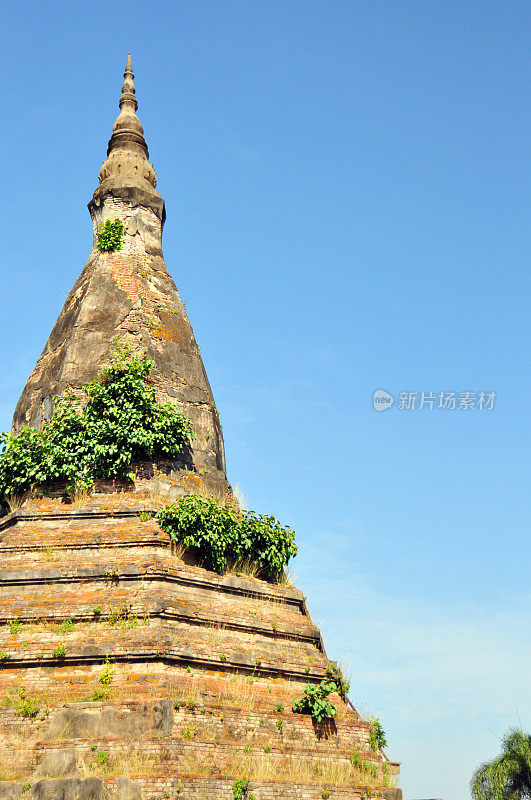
{"type": "Point", "coordinates": [255, 721]}
{"type": "Point", "coordinates": [163, 786]}
{"type": "Point", "coordinates": [29, 541]}
{"type": "Point", "coordinates": [234, 709]}
{"type": "Point", "coordinates": [216, 754]}
{"type": "Point", "coordinates": [177, 642]}
{"type": "Point", "coordinates": [53, 601]}
{"type": "Point", "coordinates": [145, 736]}
{"type": "Point", "coordinates": [231, 600]}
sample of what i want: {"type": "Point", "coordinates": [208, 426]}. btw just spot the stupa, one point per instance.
{"type": "Point", "coordinates": [127, 670]}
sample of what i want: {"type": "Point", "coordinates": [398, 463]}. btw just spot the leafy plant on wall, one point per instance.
{"type": "Point", "coordinates": [315, 701]}
{"type": "Point", "coordinates": [221, 535]}
{"type": "Point", "coordinates": [122, 422]}
{"type": "Point", "coordinates": [110, 235]}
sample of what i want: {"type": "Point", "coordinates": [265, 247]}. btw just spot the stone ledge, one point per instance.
{"type": "Point", "coordinates": [15, 517]}
{"type": "Point", "coordinates": [152, 788]}
{"type": "Point", "coordinates": [178, 745]}
{"type": "Point", "coordinates": [247, 666]}
{"type": "Point", "coordinates": [282, 632]}
{"type": "Point", "coordinates": [229, 584]}
{"type": "Point", "coordinates": [158, 726]}
{"type": "Point", "coordinates": [156, 541]}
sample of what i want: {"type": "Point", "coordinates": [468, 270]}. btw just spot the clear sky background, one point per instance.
{"type": "Point", "coordinates": [346, 192]}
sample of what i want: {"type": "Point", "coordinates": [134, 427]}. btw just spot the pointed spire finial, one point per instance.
{"type": "Point", "coordinates": [127, 132]}
{"type": "Point", "coordinates": [128, 89]}
{"type": "Point", "coordinates": [127, 169]}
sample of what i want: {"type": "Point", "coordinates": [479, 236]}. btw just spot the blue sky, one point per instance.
{"type": "Point", "coordinates": [346, 192]}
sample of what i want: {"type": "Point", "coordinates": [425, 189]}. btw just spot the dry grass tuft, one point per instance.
{"type": "Point", "coordinates": [238, 693]}
{"type": "Point", "coordinates": [79, 493]}
{"type": "Point", "coordinates": [212, 631]}
{"type": "Point", "coordinates": [285, 768]}
{"type": "Point", "coordinates": [48, 553]}
{"type": "Point", "coordinates": [192, 483]}
{"type": "Point", "coordinates": [178, 550]}
{"type": "Point", "coordinates": [188, 694]}
{"type": "Point", "coordinates": [287, 577]}
{"type": "Point", "coordinates": [243, 567]}
{"type": "Point", "coordinates": [131, 761]}
{"type": "Point", "coordinates": [192, 765]}
{"type": "Point", "coordinates": [16, 500]}
{"type": "Point", "coordinates": [240, 497]}
{"type": "Point", "coordinates": [14, 766]}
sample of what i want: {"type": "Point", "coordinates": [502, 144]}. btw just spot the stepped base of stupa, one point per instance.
{"type": "Point", "coordinates": [127, 671]}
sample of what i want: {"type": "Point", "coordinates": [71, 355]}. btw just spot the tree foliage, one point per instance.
{"type": "Point", "coordinates": [121, 422]}
{"type": "Point", "coordinates": [220, 534]}
{"type": "Point", "coordinates": [508, 776]}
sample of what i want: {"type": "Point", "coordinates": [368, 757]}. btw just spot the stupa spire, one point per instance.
{"type": "Point", "coordinates": [127, 172]}
{"type": "Point", "coordinates": [127, 132]}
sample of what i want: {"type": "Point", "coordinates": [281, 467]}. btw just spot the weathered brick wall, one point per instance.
{"type": "Point", "coordinates": [129, 293]}
{"type": "Point", "coordinates": [172, 672]}
{"type": "Point", "coordinates": [169, 787]}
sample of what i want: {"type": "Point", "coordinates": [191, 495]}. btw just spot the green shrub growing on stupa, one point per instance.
{"type": "Point", "coordinates": [222, 536]}
{"type": "Point", "coordinates": [377, 735]}
{"type": "Point", "coordinates": [110, 235]}
{"type": "Point", "coordinates": [315, 701]}
{"type": "Point", "coordinates": [121, 422]}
